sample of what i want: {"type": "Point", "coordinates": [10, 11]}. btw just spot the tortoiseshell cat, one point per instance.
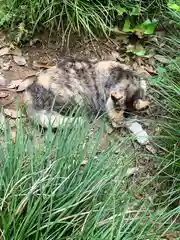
{"type": "Point", "coordinates": [100, 87]}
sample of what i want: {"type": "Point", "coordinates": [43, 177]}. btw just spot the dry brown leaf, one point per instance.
{"type": "Point", "coordinates": [4, 94]}
{"type": "Point", "coordinates": [13, 135]}
{"type": "Point", "coordinates": [21, 207]}
{"type": "Point", "coordinates": [131, 171]}
{"type": "Point", "coordinates": [13, 113]}
{"type": "Point", "coordinates": [150, 148]}
{"type": "Point", "coordinates": [139, 34]}
{"type": "Point", "coordinates": [141, 71]}
{"type": "Point", "coordinates": [2, 80]}
{"type": "Point", "coordinates": [84, 162]}
{"type": "Point", "coordinates": [14, 84]}
{"type": "Point", "coordinates": [6, 66]}
{"type": "Point", "coordinates": [37, 65]}
{"type": "Point", "coordinates": [26, 82]}
{"type": "Point", "coordinates": [4, 51]}
{"type": "Point", "coordinates": [20, 60]}
{"type": "Point", "coordinates": [150, 69]}
{"type": "Point", "coordinates": [15, 51]}
{"type": "Point", "coordinates": [139, 61]}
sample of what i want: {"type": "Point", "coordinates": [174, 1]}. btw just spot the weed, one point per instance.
{"type": "Point", "coordinates": [46, 193]}
{"type": "Point", "coordinates": [80, 16]}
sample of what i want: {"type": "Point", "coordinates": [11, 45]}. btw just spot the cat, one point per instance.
{"type": "Point", "coordinates": [98, 86]}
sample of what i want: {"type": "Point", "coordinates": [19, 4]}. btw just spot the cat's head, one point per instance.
{"type": "Point", "coordinates": [116, 86]}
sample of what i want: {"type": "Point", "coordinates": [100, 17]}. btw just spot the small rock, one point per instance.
{"type": "Point", "coordinates": [20, 60]}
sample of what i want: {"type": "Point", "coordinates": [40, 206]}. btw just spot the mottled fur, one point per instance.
{"type": "Point", "coordinates": [100, 87]}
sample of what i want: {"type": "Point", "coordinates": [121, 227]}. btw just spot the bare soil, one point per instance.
{"type": "Point", "coordinates": [45, 52]}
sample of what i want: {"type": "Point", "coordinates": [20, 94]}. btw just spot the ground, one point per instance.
{"type": "Point", "coordinates": [42, 52]}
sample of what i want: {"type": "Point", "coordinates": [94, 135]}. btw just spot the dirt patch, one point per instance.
{"type": "Point", "coordinates": [45, 52]}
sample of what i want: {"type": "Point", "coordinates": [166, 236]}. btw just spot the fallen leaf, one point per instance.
{"type": "Point", "coordinates": [26, 83]}
{"type": "Point", "coordinates": [6, 66]}
{"type": "Point", "coordinates": [21, 207]}
{"type": "Point", "coordinates": [150, 148]}
{"type": "Point", "coordinates": [37, 65]}
{"type": "Point", "coordinates": [161, 58]}
{"type": "Point", "coordinates": [4, 51]}
{"type": "Point", "coordinates": [84, 162]}
{"type": "Point", "coordinates": [13, 135]}
{"type": "Point", "coordinates": [3, 94]}
{"type": "Point", "coordinates": [20, 60]}
{"type": "Point", "coordinates": [13, 113]}
{"type": "Point", "coordinates": [114, 55]}
{"type": "Point", "coordinates": [14, 84]}
{"type": "Point", "coordinates": [131, 171]}
{"type": "Point", "coordinates": [140, 34]}
{"type": "Point", "coordinates": [142, 72]}
{"type": "Point", "coordinates": [16, 51]}
{"type": "Point", "coordinates": [136, 49]}
{"type": "Point", "coordinates": [139, 61]}
{"type": "Point", "coordinates": [2, 80]}
{"type": "Point", "coordinates": [150, 69]}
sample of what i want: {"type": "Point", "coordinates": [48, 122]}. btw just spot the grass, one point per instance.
{"type": "Point", "coordinates": [45, 190]}
{"type": "Point", "coordinates": [46, 193]}
{"type": "Point", "coordinates": [80, 16]}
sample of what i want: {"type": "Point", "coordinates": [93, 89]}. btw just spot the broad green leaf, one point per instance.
{"type": "Point", "coordinates": [161, 70]}
{"type": "Point", "coordinates": [135, 11]}
{"type": "Point", "coordinates": [121, 10]}
{"type": "Point", "coordinates": [174, 6]}
{"type": "Point", "coordinates": [126, 27]}
{"type": "Point", "coordinates": [149, 26]}
{"type": "Point", "coordinates": [139, 52]}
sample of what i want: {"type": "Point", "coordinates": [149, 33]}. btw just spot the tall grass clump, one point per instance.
{"type": "Point", "coordinates": [79, 16]}
{"type": "Point", "coordinates": [46, 192]}
{"type": "Point", "coordinates": [167, 86]}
